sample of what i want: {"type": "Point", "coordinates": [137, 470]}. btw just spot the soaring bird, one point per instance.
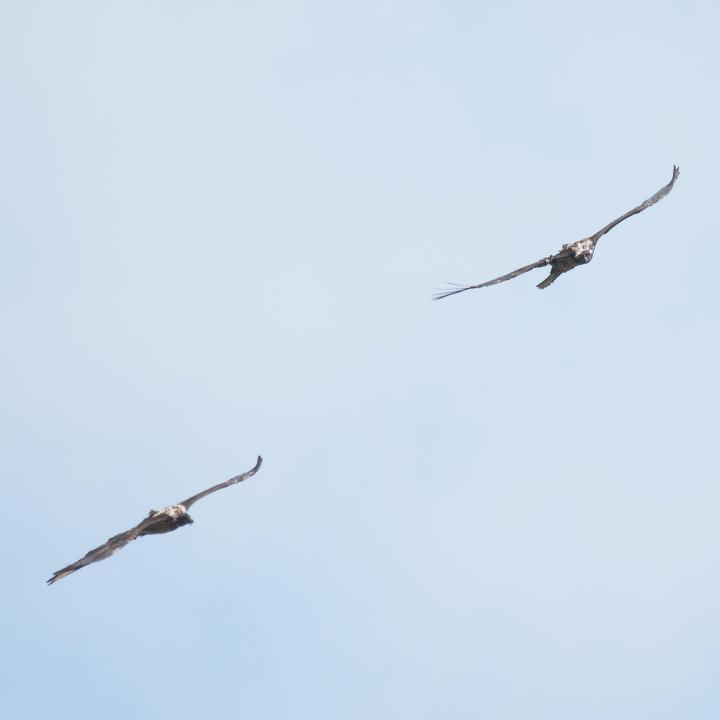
{"type": "Point", "coordinates": [570, 256]}
{"type": "Point", "coordinates": [162, 521]}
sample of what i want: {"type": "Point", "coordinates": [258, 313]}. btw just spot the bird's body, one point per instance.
{"type": "Point", "coordinates": [571, 255]}
{"type": "Point", "coordinates": [166, 520]}
{"type": "Point", "coordinates": [157, 522]}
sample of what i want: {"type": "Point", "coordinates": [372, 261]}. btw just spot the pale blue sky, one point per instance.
{"type": "Point", "coordinates": [222, 224]}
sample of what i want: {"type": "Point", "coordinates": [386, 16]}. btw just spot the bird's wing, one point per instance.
{"type": "Point", "coordinates": [115, 543]}
{"type": "Point", "coordinates": [232, 481]}
{"type": "Point", "coordinates": [659, 195]}
{"type": "Point", "coordinates": [502, 278]}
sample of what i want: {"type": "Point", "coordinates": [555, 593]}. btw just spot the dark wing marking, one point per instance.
{"type": "Point", "coordinates": [115, 543]}
{"type": "Point", "coordinates": [232, 481]}
{"type": "Point", "coordinates": [503, 278]}
{"type": "Point", "coordinates": [659, 195]}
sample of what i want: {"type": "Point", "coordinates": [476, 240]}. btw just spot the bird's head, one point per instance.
{"type": "Point", "coordinates": [583, 250]}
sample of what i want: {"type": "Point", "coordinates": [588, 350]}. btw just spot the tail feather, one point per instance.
{"type": "Point", "coordinates": [549, 280]}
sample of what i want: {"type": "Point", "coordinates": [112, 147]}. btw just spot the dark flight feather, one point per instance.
{"type": "Point", "coordinates": [166, 520]}
{"type": "Point", "coordinates": [659, 195]}
{"type": "Point", "coordinates": [502, 278]}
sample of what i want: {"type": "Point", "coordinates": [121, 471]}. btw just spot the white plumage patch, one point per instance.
{"type": "Point", "coordinates": [174, 511]}
{"type": "Point", "coordinates": [582, 246]}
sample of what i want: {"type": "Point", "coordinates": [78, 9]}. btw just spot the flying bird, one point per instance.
{"type": "Point", "coordinates": [570, 256]}
{"type": "Point", "coordinates": [162, 521]}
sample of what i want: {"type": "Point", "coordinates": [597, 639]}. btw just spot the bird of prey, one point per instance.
{"type": "Point", "coordinates": [570, 256]}
{"type": "Point", "coordinates": [163, 521]}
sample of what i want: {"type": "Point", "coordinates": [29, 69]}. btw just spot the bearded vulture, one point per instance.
{"type": "Point", "coordinates": [163, 521]}
{"type": "Point", "coordinates": [570, 256]}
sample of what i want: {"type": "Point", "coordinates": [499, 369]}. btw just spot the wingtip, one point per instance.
{"type": "Point", "coordinates": [447, 293]}
{"type": "Point", "coordinates": [257, 465]}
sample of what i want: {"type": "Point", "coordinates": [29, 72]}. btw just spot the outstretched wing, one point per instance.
{"type": "Point", "coordinates": [115, 543]}
{"type": "Point", "coordinates": [659, 195]}
{"type": "Point", "coordinates": [232, 481]}
{"type": "Point", "coordinates": [502, 278]}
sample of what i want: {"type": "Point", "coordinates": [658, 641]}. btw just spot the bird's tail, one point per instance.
{"type": "Point", "coordinates": [549, 280]}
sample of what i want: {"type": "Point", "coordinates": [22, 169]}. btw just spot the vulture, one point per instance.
{"type": "Point", "coordinates": [157, 521]}
{"type": "Point", "coordinates": [569, 256]}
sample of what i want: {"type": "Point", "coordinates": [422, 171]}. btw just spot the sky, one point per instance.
{"type": "Point", "coordinates": [222, 223]}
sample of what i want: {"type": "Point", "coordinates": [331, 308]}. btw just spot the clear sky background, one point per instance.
{"type": "Point", "coordinates": [222, 223]}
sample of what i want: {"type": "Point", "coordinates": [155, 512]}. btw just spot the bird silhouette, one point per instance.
{"type": "Point", "coordinates": [157, 522]}
{"type": "Point", "coordinates": [572, 255]}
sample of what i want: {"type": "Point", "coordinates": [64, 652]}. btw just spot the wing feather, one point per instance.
{"type": "Point", "coordinates": [232, 481]}
{"type": "Point", "coordinates": [115, 543]}
{"type": "Point", "coordinates": [659, 195]}
{"type": "Point", "coordinates": [502, 278]}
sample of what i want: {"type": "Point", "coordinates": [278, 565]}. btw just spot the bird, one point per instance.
{"type": "Point", "coordinates": [157, 521]}
{"type": "Point", "coordinates": [571, 255]}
